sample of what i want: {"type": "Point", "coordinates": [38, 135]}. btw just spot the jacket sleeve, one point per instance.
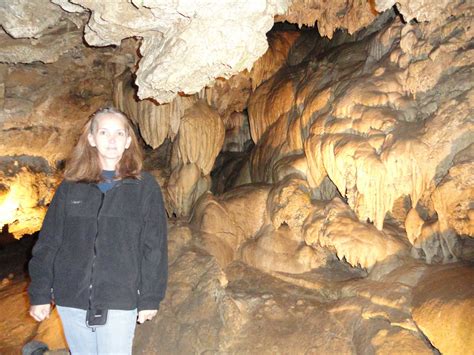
{"type": "Point", "coordinates": [45, 249]}
{"type": "Point", "coordinates": [154, 264]}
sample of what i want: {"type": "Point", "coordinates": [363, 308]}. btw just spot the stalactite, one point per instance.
{"type": "Point", "coordinates": [156, 122]}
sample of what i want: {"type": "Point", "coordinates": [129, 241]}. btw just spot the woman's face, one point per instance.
{"type": "Point", "coordinates": [110, 138]}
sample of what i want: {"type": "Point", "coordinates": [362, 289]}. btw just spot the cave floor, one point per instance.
{"type": "Point", "coordinates": [242, 310]}
{"type": "Point", "coordinates": [334, 309]}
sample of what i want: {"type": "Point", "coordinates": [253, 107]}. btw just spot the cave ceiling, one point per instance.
{"type": "Point", "coordinates": [184, 45]}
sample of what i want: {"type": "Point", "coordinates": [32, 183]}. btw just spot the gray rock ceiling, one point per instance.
{"type": "Point", "coordinates": [184, 44]}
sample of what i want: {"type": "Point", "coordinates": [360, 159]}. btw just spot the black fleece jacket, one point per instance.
{"type": "Point", "coordinates": [102, 250]}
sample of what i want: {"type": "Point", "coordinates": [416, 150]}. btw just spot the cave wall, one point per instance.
{"type": "Point", "coordinates": [379, 118]}
{"type": "Point", "coordinates": [356, 159]}
{"type": "Point", "coordinates": [49, 87]}
{"type": "Point", "coordinates": [385, 118]}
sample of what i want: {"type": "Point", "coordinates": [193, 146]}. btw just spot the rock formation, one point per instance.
{"type": "Point", "coordinates": [340, 161]}
{"type": "Point", "coordinates": [200, 139]}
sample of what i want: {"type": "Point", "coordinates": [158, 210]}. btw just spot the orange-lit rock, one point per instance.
{"type": "Point", "coordinates": [156, 122]}
{"type": "Point", "coordinates": [289, 203]}
{"type": "Point", "coordinates": [372, 133]}
{"type": "Point", "coordinates": [279, 250]}
{"type": "Point", "coordinates": [280, 44]}
{"type": "Point", "coordinates": [226, 222]}
{"type": "Point", "coordinates": [444, 316]}
{"type": "Point", "coordinates": [23, 200]}
{"type": "Point", "coordinates": [237, 132]}
{"type": "Point", "coordinates": [272, 99]}
{"type": "Point", "coordinates": [201, 136]}
{"type": "Point", "coordinates": [42, 109]}
{"type": "Point", "coordinates": [51, 332]}
{"type": "Point", "coordinates": [335, 226]}
{"type": "Point", "coordinates": [453, 196]}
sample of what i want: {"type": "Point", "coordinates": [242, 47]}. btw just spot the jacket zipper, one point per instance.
{"type": "Point", "coordinates": [102, 197]}
{"type": "Point", "coordinates": [95, 249]}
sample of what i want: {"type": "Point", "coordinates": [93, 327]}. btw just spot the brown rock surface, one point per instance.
{"type": "Point", "coordinates": [330, 16]}
{"type": "Point", "coordinates": [200, 138]}
{"type": "Point", "coordinates": [43, 108]}
{"type": "Point", "coordinates": [443, 308]}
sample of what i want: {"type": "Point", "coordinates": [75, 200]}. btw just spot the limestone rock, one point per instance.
{"type": "Point", "coordinates": [24, 197]}
{"type": "Point", "coordinates": [453, 197]}
{"type": "Point", "coordinates": [46, 49]}
{"type": "Point", "coordinates": [237, 202]}
{"type": "Point", "coordinates": [191, 314]}
{"type": "Point", "coordinates": [422, 11]}
{"type": "Point", "coordinates": [226, 222]}
{"type": "Point", "coordinates": [270, 155]}
{"type": "Point", "coordinates": [37, 31]}
{"type": "Point", "coordinates": [69, 7]}
{"type": "Point", "coordinates": [237, 132]}
{"type": "Point", "coordinates": [42, 109]}
{"type": "Point", "coordinates": [228, 96]}
{"type": "Point", "coordinates": [335, 226]}
{"type": "Point", "coordinates": [200, 137]}
{"type": "Point", "coordinates": [289, 203]}
{"type": "Point", "coordinates": [330, 16]}
{"type": "Point", "coordinates": [430, 240]}
{"type": "Point", "coordinates": [42, 116]}
{"type": "Point", "coordinates": [179, 236]}
{"type": "Point", "coordinates": [156, 122]}
{"type": "Point", "coordinates": [185, 185]}
{"type": "Point", "coordinates": [372, 128]}
{"type": "Point", "coordinates": [272, 99]}
{"type": "Point", "coordinates": [444, 316]}
{"type": "Point", "coordinates": [178, 55]}
{"type": "Point", "coordinates": [280, 44]}
{"type": "Point", "coordinates": [25, 19]}
{"type": "Point", "coordinates": [281, 251]}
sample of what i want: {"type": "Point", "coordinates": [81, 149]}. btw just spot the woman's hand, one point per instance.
{"type": "Point", "coordinates": [40, 312]}
{"type": "Point", "coordinates": [146, 315]}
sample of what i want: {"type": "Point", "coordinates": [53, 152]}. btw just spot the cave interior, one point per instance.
{"type": "Point", "coordinates": [316, 160]}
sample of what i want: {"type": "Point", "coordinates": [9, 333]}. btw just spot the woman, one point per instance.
{"type": "Point", "coordinates": [102, 250]}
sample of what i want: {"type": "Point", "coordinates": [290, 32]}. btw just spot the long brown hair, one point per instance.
{"type": "Point", "coordinates": [83, 163]}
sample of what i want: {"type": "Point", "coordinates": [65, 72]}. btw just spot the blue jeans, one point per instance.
{"type": "Point", "coordinates": [115, 337]}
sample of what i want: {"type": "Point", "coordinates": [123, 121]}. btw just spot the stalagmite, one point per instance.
{"type": "Point", "coordinates": [226, 222]}
{"type": "Point", "coordinates": [278, 251]}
